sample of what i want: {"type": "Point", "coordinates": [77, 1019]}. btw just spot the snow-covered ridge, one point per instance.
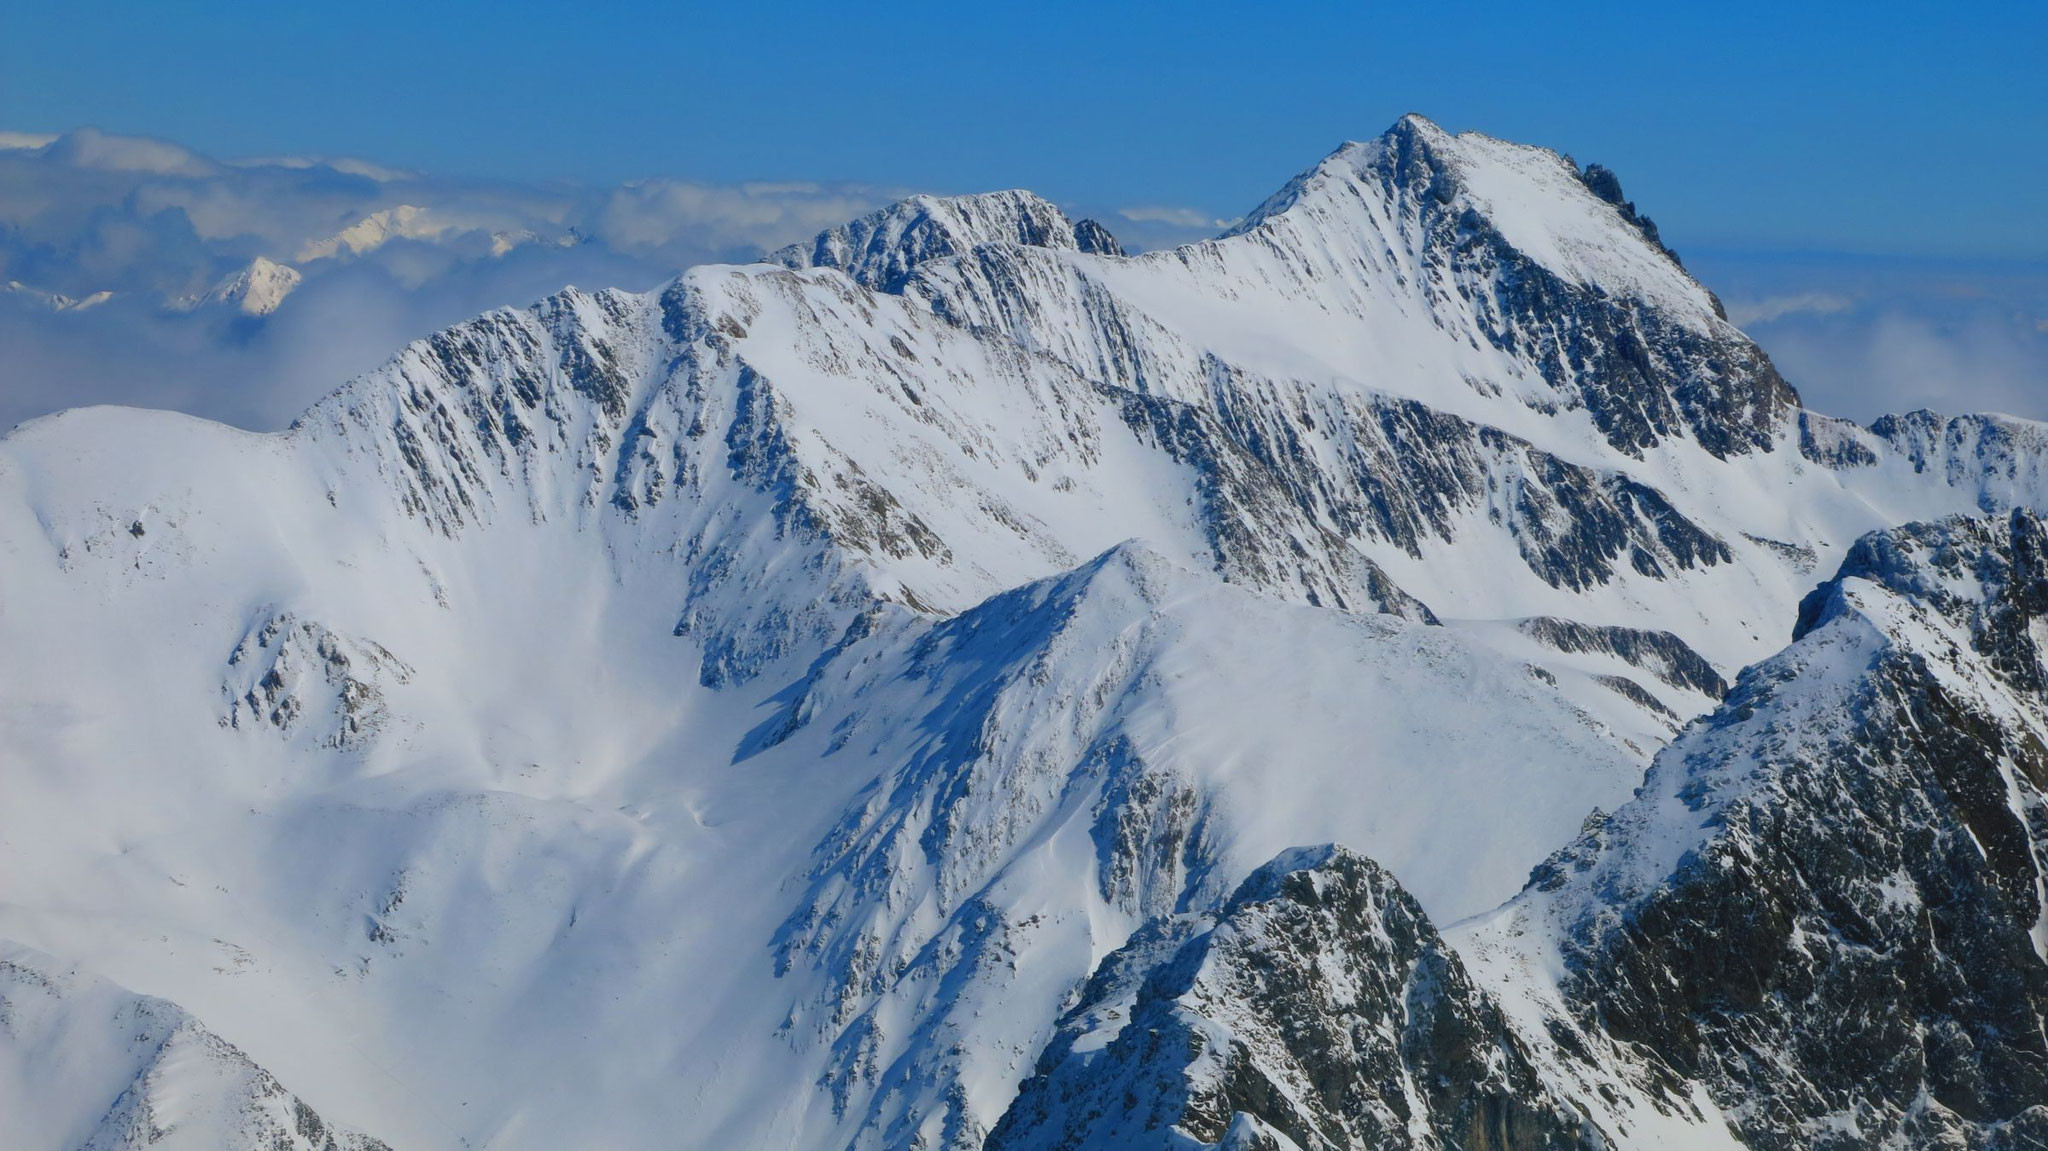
{"type": "Point", "coordinates": [752, 708]}
{"type": "Point", "coordinates": [1367, 483]}
{"type": "Point", "coordinates": [880, 250]}
{"type": "Point", "coordinates": [1056, 769]}
{"type": "Point", "coordinates": [1838, 874]}
{"type": "Point", "coordinates": [143, 1073]}
{"type": "Point", "coordinates": [1541, 204]}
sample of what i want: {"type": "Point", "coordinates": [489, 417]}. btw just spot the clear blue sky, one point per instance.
{"type": "Point", "coordinates": [1880, 127]}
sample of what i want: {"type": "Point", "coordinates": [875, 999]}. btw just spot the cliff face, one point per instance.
{"type": "Point", "coordinates": [1319, 1009]}
{"type": "Point", "coordinates": [1825, 905]}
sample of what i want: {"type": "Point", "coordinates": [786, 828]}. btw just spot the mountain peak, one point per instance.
{"type": "Point", "coordinates": [1415, 125]}
{"type": "Point", "coordinates": [1575, 224]}
{"type": "Point", "coordinates": [882, 248]}
{"type": "Point", "coordinates": [255, 290]}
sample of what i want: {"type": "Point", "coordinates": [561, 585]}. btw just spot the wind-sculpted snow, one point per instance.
{"type": "Point", "coordinates": [746, 713]}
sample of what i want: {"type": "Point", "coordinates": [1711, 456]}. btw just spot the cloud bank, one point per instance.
{"type": "Point", "coordinates": [137, 271]}
{"type": "Point", "coordinates": [1861, 336]}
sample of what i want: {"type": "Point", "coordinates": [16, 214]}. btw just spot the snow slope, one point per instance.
{"type": "Point", "coordinates": [80, 1048]}
{"type": "Point", "coordinates": [746, 713]}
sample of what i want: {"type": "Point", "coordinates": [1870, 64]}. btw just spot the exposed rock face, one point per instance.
{"type": "Point", "coordinates": [1276, 513]}
{"type": "Point", "coordinates": [1320, 1010]}
{"type": "Point", "coordinates": [1645, 371]}
{"type": "Point", "coordinates": [1660, 653]}
{"type": "Point", "coordinates": [1090, 236]}
{"type": "Point", "coordinates": [293, 674]}
{"type": "Point", "coordinates": [1828, 903]}
{"type": "Point", "coordinates": [880, 250]}
{"type": "Point", "coordinates": [1834, 443]}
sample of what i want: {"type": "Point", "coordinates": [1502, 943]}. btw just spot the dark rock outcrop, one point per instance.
{"type": "Point", "coordinates": [1660, 653]}
{"type": "Point", "coordinates": [1643, 375]}
{"type": "Point", "coordinates": [882, 249]}
{"type": "Point", "coordinates": [1851, 954]}
{"type": "Point", "coordinates": [1320, 1008]}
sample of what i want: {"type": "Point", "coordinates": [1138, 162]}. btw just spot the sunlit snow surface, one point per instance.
{"type": "Point", "coordinates": [741, 715]}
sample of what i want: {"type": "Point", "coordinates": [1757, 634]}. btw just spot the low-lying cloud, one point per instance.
{"type": "Point", "coordinates": [1177, 217]}
{"type": "Point", "coordinates": [1862, 336]}
{"type": "Point", "coordinates": [736, 220]}
{"type": "Point", "coordinates": [1746, 312]}
{"type": "Point", "coordinates": [120, 260]}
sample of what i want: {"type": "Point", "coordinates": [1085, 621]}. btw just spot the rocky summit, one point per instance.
{"type": "Point", "coordinates": [877, 698]}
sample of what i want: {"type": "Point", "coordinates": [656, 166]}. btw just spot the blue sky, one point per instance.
{"type": "Point", "coordinates": [1877, 127]}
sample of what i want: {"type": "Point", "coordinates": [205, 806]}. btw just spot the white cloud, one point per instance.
{"type": "Point", "coordinates": [1897, 360]}
{"type": "Point", "coordinates": [1742, 313]}
{"type": "Point", "coordinates": [92, 212]}
{"type": "Point", "coordinates": [656, 215]}
{"type": "Point", "coordinates": [1172, 216]}
{"type": "Point", "coordinates": [329, 265]}
{"type": "Point", "coordinates": [92, 148]}
{"type": "Point", "coordinates": [345, 164]}
{"type": "Point", "coordinates": [1861, 336]}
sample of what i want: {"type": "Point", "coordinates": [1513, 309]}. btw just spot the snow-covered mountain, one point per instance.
{"type": "Point", "coordinates": [876, 698]}
{"type": "Point", "coordinates": [256, 290]}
